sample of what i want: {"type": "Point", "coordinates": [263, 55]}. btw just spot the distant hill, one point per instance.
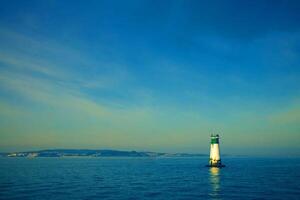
{"type": "Point", "coordinates": [93, 153]}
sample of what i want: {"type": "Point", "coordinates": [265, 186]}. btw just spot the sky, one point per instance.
{"type": "Point", "coordinates": [150, 75]}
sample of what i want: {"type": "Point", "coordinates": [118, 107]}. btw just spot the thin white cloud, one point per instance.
{"type": "Point", "coordinates": [35, 65]}
{"type": "Point", "coordinates": [50, 58]}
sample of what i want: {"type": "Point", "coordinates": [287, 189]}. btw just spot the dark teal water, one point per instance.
{"type": "Point", "coordinates": [148, 178]}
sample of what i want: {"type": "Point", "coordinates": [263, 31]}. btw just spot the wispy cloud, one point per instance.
{"type": "Point", "coordinates": [33, 66]}
{"type": "Point", "coordinates": [49, 93]}
{"type": "Point", "coordinates": [24, 55]}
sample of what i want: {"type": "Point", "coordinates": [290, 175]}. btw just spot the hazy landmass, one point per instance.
{"type": "Point", "coordinates": [93, 153]}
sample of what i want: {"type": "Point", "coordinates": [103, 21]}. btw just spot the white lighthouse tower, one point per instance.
{"type": "Point", "coordinates": [214, 157]}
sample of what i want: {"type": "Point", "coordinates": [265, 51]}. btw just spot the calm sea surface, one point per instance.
{"type": "Point", "coordinates": [149, 178]}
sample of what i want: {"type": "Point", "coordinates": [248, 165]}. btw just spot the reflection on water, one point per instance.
{"type": "Point", "coordinates": [214, 179]}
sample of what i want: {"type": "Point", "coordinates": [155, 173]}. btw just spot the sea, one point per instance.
{"type": "Point", "coordinates": [149, 178]}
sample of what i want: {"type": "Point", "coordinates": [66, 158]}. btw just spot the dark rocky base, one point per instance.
{"type": "Point", "coordinates": [217, 165]}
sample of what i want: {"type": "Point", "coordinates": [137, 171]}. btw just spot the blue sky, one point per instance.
{"type": "Point", "coordinates": [150, 75]}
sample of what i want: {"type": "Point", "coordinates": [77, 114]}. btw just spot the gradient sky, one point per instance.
{"type": "Point", "coordinates": [150, 75]}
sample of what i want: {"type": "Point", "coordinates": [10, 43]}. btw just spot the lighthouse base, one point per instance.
{"type": "Point", "coordinates": [218, 165]}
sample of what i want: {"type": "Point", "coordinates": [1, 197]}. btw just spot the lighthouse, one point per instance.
{"type": "Point", "coordinates": [214, 157]}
